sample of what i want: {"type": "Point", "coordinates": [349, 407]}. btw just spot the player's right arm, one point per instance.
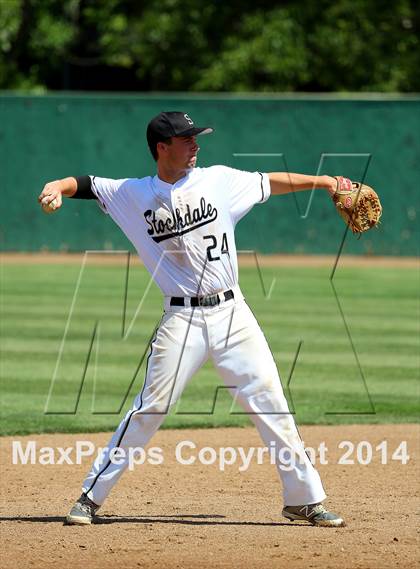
{"type": "Point", "coordinates": [79, 187]}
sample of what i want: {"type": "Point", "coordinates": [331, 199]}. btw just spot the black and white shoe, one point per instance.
{"type": "Point", "coordinates": [83, 512]}
{"type": "Point", "coordinates": [315, 514]}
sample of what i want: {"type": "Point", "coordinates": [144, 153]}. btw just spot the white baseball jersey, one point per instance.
{"type": "Point", "coordinates": [184, 232]}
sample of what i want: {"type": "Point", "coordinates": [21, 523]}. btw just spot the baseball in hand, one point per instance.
{"type": "Point", "coordinates": [49, 207]}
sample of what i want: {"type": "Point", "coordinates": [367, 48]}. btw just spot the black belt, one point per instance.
{"type": "Point", "coordinates": [212, 300]}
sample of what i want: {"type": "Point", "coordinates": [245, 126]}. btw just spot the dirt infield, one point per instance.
{"type": "Point", "coordinates": [244, 259]}
{"type": "Point", "coordinates": [173, 515]}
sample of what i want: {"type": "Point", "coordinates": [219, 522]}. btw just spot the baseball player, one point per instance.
{"type": "Point", "coordinates": [181, 222]}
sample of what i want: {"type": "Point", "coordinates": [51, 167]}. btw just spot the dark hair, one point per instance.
{"type": "Point", "coordinates": [153, 146]}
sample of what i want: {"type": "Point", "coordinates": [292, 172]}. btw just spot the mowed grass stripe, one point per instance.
{"type": "Point", "coordinates": [380, 306]}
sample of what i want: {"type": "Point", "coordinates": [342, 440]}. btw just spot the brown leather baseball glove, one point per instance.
{"type": "Point", "coordinates": [358, 204]}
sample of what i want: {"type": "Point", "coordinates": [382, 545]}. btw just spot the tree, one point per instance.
{"type": "Point", "coordinates": [212, 45]}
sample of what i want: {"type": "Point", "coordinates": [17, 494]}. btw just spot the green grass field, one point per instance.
{"type": "Point", "coordinates": [376, 382]}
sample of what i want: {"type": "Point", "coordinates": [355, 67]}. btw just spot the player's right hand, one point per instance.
{"type": "Point", "coordinates": [51, 192]}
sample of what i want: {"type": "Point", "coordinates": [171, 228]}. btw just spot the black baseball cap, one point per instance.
{"type": "Point", "coordinates": [168, 124]}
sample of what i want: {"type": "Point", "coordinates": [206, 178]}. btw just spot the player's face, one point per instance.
{"type": "Point", "coordinates": [182, 152]}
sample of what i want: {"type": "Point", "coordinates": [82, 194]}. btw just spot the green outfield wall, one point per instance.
{"type": "Point", "coordinates": [43, 138]}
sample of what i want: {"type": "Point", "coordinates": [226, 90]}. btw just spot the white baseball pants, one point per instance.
{"type": "Point", "coordinates": [230, 335]}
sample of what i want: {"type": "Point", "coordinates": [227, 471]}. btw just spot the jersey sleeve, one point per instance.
{"type": "Point", "coordinates": [246, 190]}
{"type": "Point", "coordinates": [108, 193]}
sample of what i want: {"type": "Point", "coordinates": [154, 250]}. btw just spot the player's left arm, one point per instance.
{"type": "Point", "coordinates": [285, 182]}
